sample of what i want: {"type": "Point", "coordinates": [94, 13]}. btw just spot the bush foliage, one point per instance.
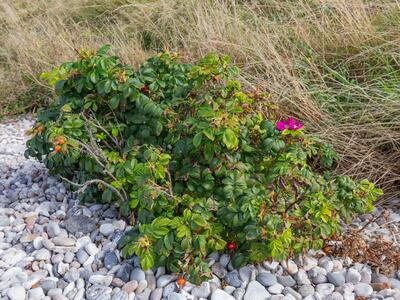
{"type": "Point", "coordinates": [193, 160]}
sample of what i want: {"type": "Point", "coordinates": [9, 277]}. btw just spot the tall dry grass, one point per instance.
{"type": "Point", "coordinates": [332, 63]}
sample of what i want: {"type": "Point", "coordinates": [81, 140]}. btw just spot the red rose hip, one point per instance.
{"type": "Point", "coordinates": [231, 246]}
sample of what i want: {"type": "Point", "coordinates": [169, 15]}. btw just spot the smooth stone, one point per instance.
{"type": "Point", "coordinates": [124, 272]}
{"type": "Point", "coordinates": [325, 289]}
{"type": "Point", "coordinates": [335, 296]}
{"type": "Point", "coordinates": [163, 280]}
{"type": "Point", "coordinates": [365, 276]}
{"type": "Point", "coordinates": [16, 293]}
{"type": "Point", "coordinates": [138, 275]}
{"type": "Point", "coordinates": [156, 294]}
{"type": "Point", "coordinates": [290, 266]}
{"type": "Point", "coordinates": [301, 277]}
{"type": "Point", "coordinates": [267, 279]}
{"type": "Point", "coordinates": [306, 290]}
{"type": "Point", "coordinates": [270, 266]}
{"type": "Point", "coordinates": [219, 270]}
{"type": "Point", "coordinates": [53, 229]}
{"type": "Point", "coordinates": [141, 286]}
{"type": "Point", "coordinates": [395, 283]}
{"type": "Point", "coordinates": [98, 292]}
{"type": "Point", "coordinates": [36, 294]}
{"type": "Point", "coordinates": [110, 259]}
{"type": "Point", "coordinates": [309, 263]}
{"type": "Point", "coordinates": [82, 256]}
{"type": "Point", "coordinates": [203, 291]}
{"type": "Point", "coordinates": [353, 276]}
{"type": "Point", "coordinates": [239, 293]}
{"type": "Point", "coordinates": [256, 291]}
{"type": "Point", "coordinates": [275, 289]}
{"type": "Point", "coordinates": [91, 249]}
{"type": "Point", "coordinates": [72, 275]}
{"type": "Point", "coordinates": [80, 223]}
{"type": "Point", "coordinates": [106, 229]}
{"type": "Point", "coordinates": [336, 278]}
{"type": "Point", "coordinates": [286, 280]}
{"type": "Point", "coordinates": [130, 286]}
{"type": "Point", "coordinates": [169, 289]}
{"type": "Point", "coordinates": [176, 296]}
{"type": "Point", "coordinates": [101, 279]}
{"type": "Point", "coordinates": [143, 296]}
{"type": "Point", "coordinates": [48, 284]}
{"type": "Point", "coordinates": [69, 257]}
{"type": "Point", "coordinates": [363, 289]}
{"type": "Point", "coordinates": [219, 294]}
{"type": "Point", "coordinates": [245, 274]}
{"type": "Point", "coordinates": [289, 292]}
{"type": "Point", "coordinates": [63, 241]}
{"type": "Point", "coordinates": [43, 254]}
{"type": "Point", "coordinates": [232, 278]}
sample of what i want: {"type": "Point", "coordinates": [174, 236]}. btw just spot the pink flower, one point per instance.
{"type": "Point", "coordinates": [290, 124]}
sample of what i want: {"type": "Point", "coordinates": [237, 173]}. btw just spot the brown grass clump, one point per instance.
{"type": "Point", "coordinates": [334, 64]}
{"type": "Point", "coordinates": [382, 255]}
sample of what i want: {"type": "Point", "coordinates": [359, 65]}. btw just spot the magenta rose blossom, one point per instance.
{"type": "Point", "coordinates": [290, 124]}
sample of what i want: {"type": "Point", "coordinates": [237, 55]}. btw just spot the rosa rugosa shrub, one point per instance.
{"type": "Point", "coordinates": [195, 163]}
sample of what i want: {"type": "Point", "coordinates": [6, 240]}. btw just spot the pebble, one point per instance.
{"type": "Point", "coordinates": [362, 289]}
{"type": "Point", "coordinates": [255, 291]}
{"type": "Point", "coordinates": [219, 294]}
{"type": "Point", "coordinates": [267, 279]}
{"type": "Point", "coordinates": [16, 293]}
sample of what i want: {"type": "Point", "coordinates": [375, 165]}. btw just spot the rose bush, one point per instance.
{"type": "Point", "coordinates": [195, 163]}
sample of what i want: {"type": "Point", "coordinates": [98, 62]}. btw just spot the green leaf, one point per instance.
{"type": "Point", "coordinates": [147, 261]}
{"type": "Point", "coordinates": [197, 139]}
{"type": "Point", "coordinates": [106, 196]}
{"type": "Point", "coordinates": [230, 139]}
{"type": "Point", "coordinates": [114, 102]}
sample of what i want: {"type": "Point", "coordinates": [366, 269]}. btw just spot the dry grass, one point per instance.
{"type": "Point", "coordinates": [332, 63]}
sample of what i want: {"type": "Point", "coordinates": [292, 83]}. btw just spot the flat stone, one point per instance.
{"type": "Point", "coordinates": [255, 291]}
{"type": "Point", "coordinates": [101, 279]}
{"type": "Point", "coordinates": [63, 241]}
{"type": "Point", "coordinates": [232, 278]}
{"type": "Point", "coordinates": [176, 296]}
{"type": "Point", "coordinates": [138, 274]}
{"type": "Point", "coordinates": [325, 289]}
{"type": "Point", "coordinates": [219, 270]}
{"type": "Point", "coordinates": [43, 254]}
{"type": "Point", "coordinates": [267, 279]}
{"type": "Point", "coordinates": [156, 294]}
{"type": "Point", "coordinates": [203, 291]}
{"type": "Point", "coordinates": [110, 259]}
{"type": "Point", "coordinates": [276, 289]}
{"type": "Point", "coordinates": [290, 266]}
{"type": "Point", "coordinates": [336, 278]}
{"type": "Point", "coordinates": [163, 280]}
{"type": "Point", "coordinates": [36, 294]}
{"type": "Point", "coordinates": [130, 286]}
{"type": "Point", "coordinates": [363, 289]}
{"type": "Point", "coordinates": [16, 293]}
{"type": "Point", "coordinates": [53, 229]}
{"type": "Point", "coordinates": [98, 292]}
{"type": "Point", "coordinates": [106, 229]}
{"type": "Point", "coordinates": [353, 276]}
{"type": "Point", "coordinates": [80, 223]}
{"type": "Point", "coordinates": [124, 272]}
{"type": "Point", "coordinates": [286, 280]}
{"type": "Point", "coordinates": [219, 294]}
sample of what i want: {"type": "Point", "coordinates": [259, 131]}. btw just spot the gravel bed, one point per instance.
{"type": "Point", "coordinates": [52, 247]}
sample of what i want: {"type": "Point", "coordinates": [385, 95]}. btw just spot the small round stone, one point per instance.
{"type": "Point", "coordinates": [362, 289]}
